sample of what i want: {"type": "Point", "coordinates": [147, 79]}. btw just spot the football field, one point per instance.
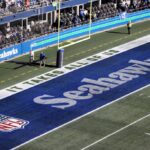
{"type": "Point", "coordinates": [100, 101]}
{"type": "Point", "coordinates": [123, 125]}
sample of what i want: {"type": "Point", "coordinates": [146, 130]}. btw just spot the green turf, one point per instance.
{"type": "Point", "coordinates": [11, 73]}
{"type": "Point", "coordinates": [101, 123]}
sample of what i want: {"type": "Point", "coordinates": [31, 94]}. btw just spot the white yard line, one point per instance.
{"type": "Point", "coordinates": [147, 133]}
{"type": "Point", "coordinates": [111, 134]}
{"type": "Point", "coordinates": [78, 118]}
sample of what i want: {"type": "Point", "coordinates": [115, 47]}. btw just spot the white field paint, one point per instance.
{"type": "Point", "coordinates": [80, 117]}
{"type": "Point", "coordinates": [89, 87]}
{"type": "Point", "coordinates": [117, 131]}
{"type": "Point", "coordinates": [147, 134]}
{"type": "Point", "coordinates": [71, 67]}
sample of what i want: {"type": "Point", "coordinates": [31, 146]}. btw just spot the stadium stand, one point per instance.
{"type": "Point", "coordinates": [16, 33]}
{"type": "Point", "coordinates": [13, 6]}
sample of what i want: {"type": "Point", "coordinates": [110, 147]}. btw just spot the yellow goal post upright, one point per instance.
{"type": "Point", "coordinates": [61, 44]}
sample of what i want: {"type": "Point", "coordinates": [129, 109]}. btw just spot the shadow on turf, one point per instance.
{"type": "Point", "coordinates": [116, 32]}
{"type": "Point", "coordinates": [23, 64]}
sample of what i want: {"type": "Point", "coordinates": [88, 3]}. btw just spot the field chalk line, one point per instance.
{"type": "Point", "coordinates": [113, 133]}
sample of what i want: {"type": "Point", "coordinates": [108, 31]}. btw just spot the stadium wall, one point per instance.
{"type": "Point", "coordinates": [75, 32]}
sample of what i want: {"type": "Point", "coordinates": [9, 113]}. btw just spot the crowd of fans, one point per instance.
{"type": "Point", "coordinates": [136, 5]}
{"type": "Point", "coordinates": [68, 18]}
{"type": "Point", "coordinates": [8, 7]}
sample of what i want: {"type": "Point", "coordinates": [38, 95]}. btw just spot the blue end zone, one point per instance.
{"type": "Point", "coordinates": [43, 118]}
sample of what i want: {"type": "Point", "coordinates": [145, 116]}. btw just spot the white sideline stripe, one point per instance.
{"type": "Point", "coordinates": [121, 129]}
{"type": "Point", "coordinates": [78, 118]}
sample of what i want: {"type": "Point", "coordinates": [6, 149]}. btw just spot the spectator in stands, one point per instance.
{"type": "Point", "coordinates": [19, 3]}
{"type": "Point", "coordinates": [1, 40]}
{"type": "Point", "coordinates": [4, 5]}
{"type": "Point", "coordinates": [82, 14]}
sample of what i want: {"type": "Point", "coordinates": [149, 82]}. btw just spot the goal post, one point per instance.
{"type": "Point", "coordinates": [63, 41]}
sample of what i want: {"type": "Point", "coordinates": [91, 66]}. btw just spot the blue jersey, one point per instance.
{"type": "Point", "coordinates": [42, 56]}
